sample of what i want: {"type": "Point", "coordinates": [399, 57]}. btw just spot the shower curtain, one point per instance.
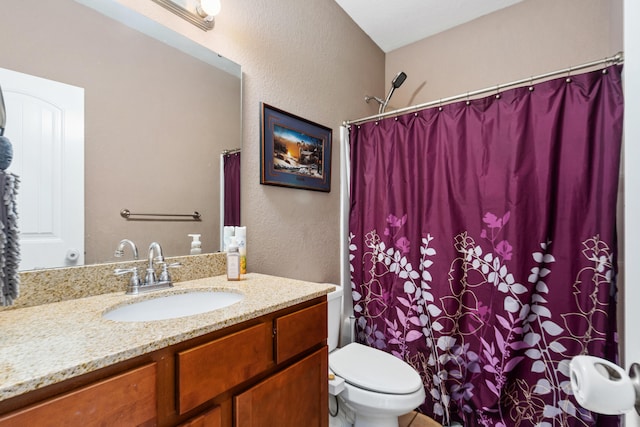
{"type": "Point", "coordinates": [232, 189]}
{"type": "Point", "coordinates": [482, 246]}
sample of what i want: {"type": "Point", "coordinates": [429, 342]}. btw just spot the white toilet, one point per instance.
{"type": "Point", "coordinates": [377, 386]}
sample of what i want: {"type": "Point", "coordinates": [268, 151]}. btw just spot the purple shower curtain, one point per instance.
{"type": "Point", "coordinates": [482, 245]}
{"type": "Point", "coordinates": [232, 189]}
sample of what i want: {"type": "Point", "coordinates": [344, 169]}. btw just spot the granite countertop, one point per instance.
{"type": "Point", "coordinates": [49, 343]}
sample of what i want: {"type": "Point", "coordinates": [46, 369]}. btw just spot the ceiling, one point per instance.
{"type": "Point", "coordinates": [394, 24]}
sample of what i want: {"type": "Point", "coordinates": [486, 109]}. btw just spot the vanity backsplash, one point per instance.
{"type": "Point", "coordinates": [39, 287]}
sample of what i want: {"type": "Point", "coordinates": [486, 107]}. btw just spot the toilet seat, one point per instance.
{"type": "Point", "coordinates": [372, 369]}
{"type": "Point", "coordinates": [370, 403]}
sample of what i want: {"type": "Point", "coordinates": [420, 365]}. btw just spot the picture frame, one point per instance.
{"type": "Point", "coordinates": [295, 152]}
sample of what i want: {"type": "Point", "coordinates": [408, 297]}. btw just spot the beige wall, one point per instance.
{"type": "Point", "coordinates": [311, 60]}
{"type": "Point", "coordinates": [529, 38]}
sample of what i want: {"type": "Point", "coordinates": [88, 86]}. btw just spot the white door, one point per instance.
{"type": "Point", "coordinates": [45, 123]}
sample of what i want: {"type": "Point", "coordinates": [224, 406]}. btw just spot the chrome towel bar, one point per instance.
{"type": "Point", "coordinates": [126, 213]}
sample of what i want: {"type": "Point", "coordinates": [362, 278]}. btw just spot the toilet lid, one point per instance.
{"type": "Point", "coordinates": [374, 370]}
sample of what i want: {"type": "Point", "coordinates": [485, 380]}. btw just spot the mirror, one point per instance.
{"type": "Point", "coordinates": [156, 118]}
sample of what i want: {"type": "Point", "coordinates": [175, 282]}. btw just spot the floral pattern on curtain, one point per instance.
{"type": "Point", "coordinates": [482, 246]}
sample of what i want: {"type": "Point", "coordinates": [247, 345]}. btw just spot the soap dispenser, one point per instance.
{"type": "Point", "coordinates": [233, 260]}
{"type": "Point", "coordinates": [196, 246]}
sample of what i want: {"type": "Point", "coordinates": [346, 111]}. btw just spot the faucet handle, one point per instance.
{"type": "Point", "coordinates": [164, 275]}
{"type": "Point", "coordinates": [134, 281]}
{"type": "Point", "coordinates": [121, 271]}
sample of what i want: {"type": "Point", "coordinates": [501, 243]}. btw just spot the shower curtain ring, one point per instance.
{"type": "Point", "coordinates": [531, 88]}
{"type": "Point", "coordinates": [568, 80]}
{"type": "Point", "coordinates": [440, 104]}
{"type": "Point", "coordinates": [468, 102]}
{"type": "Point", "coordinates": [497, 91]}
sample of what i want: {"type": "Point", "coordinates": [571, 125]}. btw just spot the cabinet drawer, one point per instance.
{"type": "Point", "coordinates": [126, 399]}
{"type": "Point", "coordinates": [208, 370]}
{"type": "Point", "coordinates": [294, 397]}
{"type": "Point", "coordinates": [299, 331]}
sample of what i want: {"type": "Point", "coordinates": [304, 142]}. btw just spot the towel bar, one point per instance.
{"type": "Point", "coordinates": [126, 213]}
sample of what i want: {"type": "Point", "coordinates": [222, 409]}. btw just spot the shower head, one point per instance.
{"type": "Point", "coordinates": [398, 79]}
{"type": "Point", "coordinates": [395, 84]}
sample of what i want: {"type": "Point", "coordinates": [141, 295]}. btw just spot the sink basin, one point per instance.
{"type": "Point", "coordinates": [173, 306]}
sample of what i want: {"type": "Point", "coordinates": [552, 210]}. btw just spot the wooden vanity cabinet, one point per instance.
{"type": "Point", "coordinates": [270, 371]}
{"type": "Point", "coordinates": [274, 373]}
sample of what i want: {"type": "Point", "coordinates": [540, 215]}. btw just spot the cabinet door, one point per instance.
{"type": "Point", "coordinates": [299, 331]}
{"type": "Point", "coordinates": [296, 396]}
{"type": "Point", "coordinates": [128, 399]}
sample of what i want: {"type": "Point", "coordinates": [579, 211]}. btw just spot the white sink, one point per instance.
{"type": "Point", "coordinates": [173, 306]}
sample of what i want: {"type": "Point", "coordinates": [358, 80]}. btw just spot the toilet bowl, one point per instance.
{"type": "Point", "coordinates": [377, 386]}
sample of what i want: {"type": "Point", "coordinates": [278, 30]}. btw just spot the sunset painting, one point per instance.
{"type": "Point", "coordinates": [295, 152]}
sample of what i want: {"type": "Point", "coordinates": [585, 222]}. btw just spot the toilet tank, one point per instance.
{"type": "Point", "coordinates": [334, 317]}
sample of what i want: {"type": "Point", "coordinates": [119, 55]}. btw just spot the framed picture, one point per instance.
{"type": "Point", "coordinates": [295, 152]}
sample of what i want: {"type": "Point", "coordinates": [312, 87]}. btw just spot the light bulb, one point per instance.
{"type": "Point", "coordinates": [209, 8]}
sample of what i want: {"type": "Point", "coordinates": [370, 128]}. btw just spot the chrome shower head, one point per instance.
{"type": "Point", "coordinates": [395, 84]}
{"type": "Point", "coordinates": [398, 79]}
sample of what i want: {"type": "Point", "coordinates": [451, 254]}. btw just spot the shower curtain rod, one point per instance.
{"type": "Point", "coordinates": [615, 59]}
{"type": "Point", "coordinates": [231, 151]}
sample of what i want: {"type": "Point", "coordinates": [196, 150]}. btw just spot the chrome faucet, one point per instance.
{"type": "Point", "coordinates": [151, 281]}
{"type": "Point", "coordinates": [154, 249]}
{"type": "Point", "coordinates": [120, 249]}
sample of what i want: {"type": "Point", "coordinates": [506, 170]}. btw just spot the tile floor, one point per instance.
{"type": "Point", "coordinates": [415, 419]}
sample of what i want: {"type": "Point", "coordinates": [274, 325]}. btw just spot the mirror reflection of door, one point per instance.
{"type": "Point", "coordinates": [45, 123]}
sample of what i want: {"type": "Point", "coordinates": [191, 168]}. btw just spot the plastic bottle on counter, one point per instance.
{"type": "Point", "coordinates": [196, 245]}
{"type": "Point", "coordinates": [233, 260]}
{"type": "Point", "coordinates": [241, 238]}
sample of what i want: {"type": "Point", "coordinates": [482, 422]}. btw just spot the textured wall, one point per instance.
{"type": "Point", "coordinates": [309, 59]}
{"type": "Point", "coordinates": [529, 38]}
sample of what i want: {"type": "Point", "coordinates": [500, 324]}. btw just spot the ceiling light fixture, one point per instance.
{"type": "Point", "coordinates": [208, 9]}
{"type": "Point", "coordinates": [202, 13]}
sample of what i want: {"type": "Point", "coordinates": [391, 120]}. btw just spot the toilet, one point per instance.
{"type": "Point", "coordinates": [376, 386]}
